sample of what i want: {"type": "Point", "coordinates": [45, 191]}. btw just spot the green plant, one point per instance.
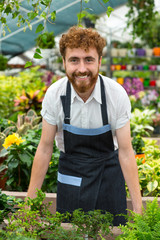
{"type": "Point", "coordinates": [13, 236]}
{"type": "Point", "coordinates": [148, 170]}
{"type": "Point", "coordinates": [7, 205]}
{"type": "Point", "coordinates": [140, 14]}
{"type": "Point", "coordinates": [14, 90]}
{"type": "Point", "coordinates": [34, 219]}
{"type": "Point", "coordinates": [145, 226]}
{"type": "Point", "coordinates": [46, 40]}
{"type": "Point", "coordinates": [151, 35]}
{"type": "Point", "coordinates": [19, 160]}
{"type": "Point", "coordinates": [138, 144]}
{"type": "Point", "coordinates": [3, 62]}
{"type": "Point", "coordinates": [92, 222]}
{"type": "Point", "coordinates": [141, 122]}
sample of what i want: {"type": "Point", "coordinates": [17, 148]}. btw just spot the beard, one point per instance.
{"type": "Point", "coordinates": [83, 86]}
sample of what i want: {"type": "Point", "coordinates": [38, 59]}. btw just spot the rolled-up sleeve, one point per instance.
{"type": "Point", "coordinates": [48, 108]}
{"type": "Point", "coordinates": [123, 111]}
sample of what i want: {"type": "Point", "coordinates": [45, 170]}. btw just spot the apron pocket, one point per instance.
{"type": "Point", "coordinates": [68, 193]}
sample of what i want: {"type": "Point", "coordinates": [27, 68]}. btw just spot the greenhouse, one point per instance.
{"type": "Point", "coordinates": [79, 119]}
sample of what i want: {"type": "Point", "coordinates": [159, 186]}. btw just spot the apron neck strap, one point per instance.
{"type": "Point", "coordinates": [66, 102]}
{"type": "Point", "coordinates": [103, 105]}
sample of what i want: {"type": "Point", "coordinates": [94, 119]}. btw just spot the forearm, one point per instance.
{"type": "Point", "coordinates": [39, 169]}
{"type": "Point", "coordinates": [130, 172]}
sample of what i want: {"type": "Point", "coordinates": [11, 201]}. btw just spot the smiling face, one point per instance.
{"type": "Point", "coordinates": [82, 68]}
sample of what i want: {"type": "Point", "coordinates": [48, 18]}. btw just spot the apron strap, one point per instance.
{"type": "Point", "coordinates": [103, 105]}
{"type": "Point", "coordinates": [66, 102]}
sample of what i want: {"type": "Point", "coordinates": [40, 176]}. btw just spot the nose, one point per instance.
{"type": "Point", "coordinates": [82, 67]}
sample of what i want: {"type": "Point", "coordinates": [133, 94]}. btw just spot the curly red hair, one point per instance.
{"type": "Point", "coordinates": [83, 38]}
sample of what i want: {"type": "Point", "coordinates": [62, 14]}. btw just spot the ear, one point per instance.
{"type": "Point", "coordinates": [100, 61]}
{"type": "Point", "coordinates": [64, 64]}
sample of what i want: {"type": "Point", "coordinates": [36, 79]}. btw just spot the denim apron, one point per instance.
{"type": "Point", "coordinates": [89, 173]}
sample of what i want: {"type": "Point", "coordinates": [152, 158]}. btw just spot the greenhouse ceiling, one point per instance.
{"type": "Point", "coordinates": [17, 41]}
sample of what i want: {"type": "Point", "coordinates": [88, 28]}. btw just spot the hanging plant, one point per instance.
{"type": "Point", "coordinates": [139, 16]}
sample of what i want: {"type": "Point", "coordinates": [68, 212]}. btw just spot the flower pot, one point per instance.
{"type": "Point", "coordinates": [146, 82]}
{"type": "Point", "coordinates": [112, 67]}
{"type": "Point", "coordinates": [129, 67]}
{"type": "Point", "coordinates": [156, 51]}
{"type": "Point", "coordinates": [118, 67]}
{"type": "Point", "coordinates": [152, 83]}
{"type": "Point", "coordinates": [140, 155]}
{"type": "Point", "coordinates": [140, 52]}
{"type": "Point", "coordinates": [3, 179]}
{"type": "Point", "coordinates": [158, 68]}
{"type": "Point", "coordinates": [149, 52]}
{"type": "Point", "coordinates": [145, 67]}
{"type": "Point", "coordinates": [46, 53]}
{"type": "Point", "coordinates": [140, 67]}
{"type": "Point", "coordinates": [152, 67]}
{"type": "Point", "coordinates": [134, 67]}
{"type": "Point", "coordinates": [120, 80]}
{"type": "Point", "coordinates": [158, 82]}
{"type": "Point", "coordinates": [131, 52]}
{"type": "Point", "coordinates": [123, 67]}
{"type": "Point", "coordinates": [114, 52]}
{"type": "Point", "coordinates": [141, 79]}
{"type": "Point", "coordinates": [122, 52]}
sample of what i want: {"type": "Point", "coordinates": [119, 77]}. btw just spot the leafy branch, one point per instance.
{"type": "Point", "coordinates": [40, 9]}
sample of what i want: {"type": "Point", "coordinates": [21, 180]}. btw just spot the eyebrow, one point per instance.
{"type": "Point", "coordinates": [74, 57]}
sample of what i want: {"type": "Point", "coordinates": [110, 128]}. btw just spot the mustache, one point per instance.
{"type": "Point", "coordinates": [79, 74]}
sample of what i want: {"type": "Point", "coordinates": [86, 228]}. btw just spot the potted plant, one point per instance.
{"type": "Point", "coordinates": [140, 14]}
{"type": "Point", "coordinates": [46, 42]}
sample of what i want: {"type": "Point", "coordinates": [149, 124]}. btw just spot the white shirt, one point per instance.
{"type": "Point", "coordinates": [86, 114]}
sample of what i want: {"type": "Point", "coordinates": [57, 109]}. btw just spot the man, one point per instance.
{"type": "Point", "coordinates": [89, 116]}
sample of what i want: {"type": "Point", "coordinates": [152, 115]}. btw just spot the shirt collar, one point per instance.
{"type": "Point", "coordinates": [96, 94]}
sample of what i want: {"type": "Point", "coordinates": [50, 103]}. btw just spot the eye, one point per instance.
{"type": "Point", "coordinates": [89, 60]}
{"type": "Point", "coordinates": [74, 60]}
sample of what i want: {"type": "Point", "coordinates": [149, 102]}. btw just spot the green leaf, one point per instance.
{"type": "Point", "coordinates": [53, 15]}
{"type": "Point", "coordinates": [25, 159]}
{"type": "Point", "coordinates": [81, 15]}
{"type": "Point", "coordinates": [8, 9]}
{"type": "Point", "coordinates": [28, 64]}
{"type": "Point", "coordinates": [15, 14]}
{"type": "Point", "coordinates": [37, 56]}
{"type": "Point", "coordinates": [32, 15]}
{"type": "Point", "coordinates": [3, 20]}
{"type": "Point", "coordinates": [109, 10]}
{"type": "Point", "coordinates": [151, 186]}
{"type": "Point", "coordinates": [105, 1]}
{"type": "Point", "coordinates": [38, 50]}
{"type": "Point", "coordinates": [9, 181]}
{"type": "Point", "coordinates": [39, 28]}
{"type": "Point", "coordinates": [13, 164]}
{"type": "Point", "coordinates": [86, 1]}
{"type": "Point", "coordinates": [45, 2]}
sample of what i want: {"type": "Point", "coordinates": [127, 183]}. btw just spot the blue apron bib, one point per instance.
{"type": "Point", "coordinates": [89, 173]}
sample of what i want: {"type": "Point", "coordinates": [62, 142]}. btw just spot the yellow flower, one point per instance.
{"type": "Point", "coordinates": [12, 139]}
{"type": "Point", "coordinates": [132, 98]}
{"type": "Point", "coordinates": [141, 94]}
